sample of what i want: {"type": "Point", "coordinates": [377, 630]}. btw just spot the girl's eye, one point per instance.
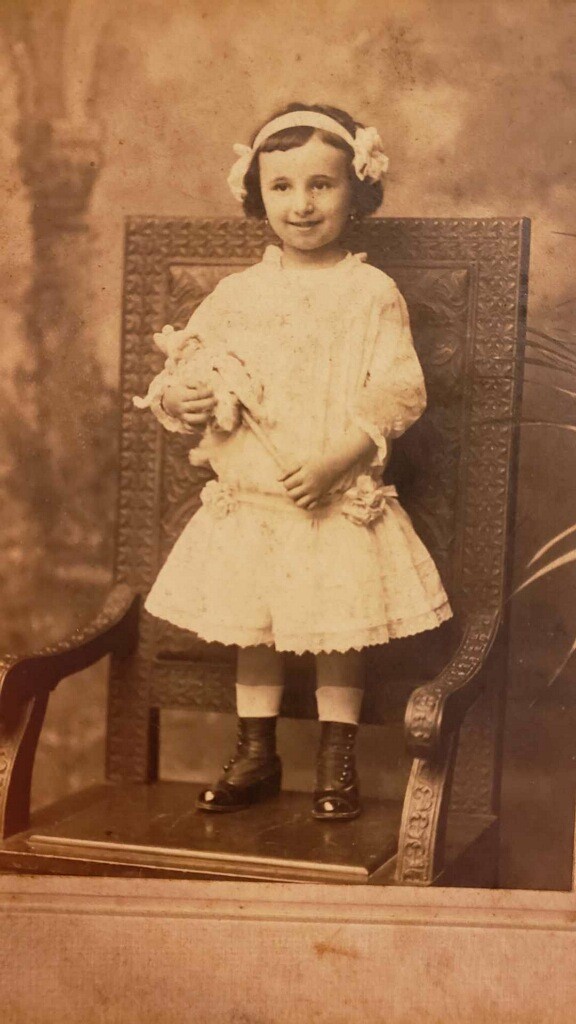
{"type": "Point", "coordinates": [321, 185]}
{"type": "Point", "coordinates": [280, 186]}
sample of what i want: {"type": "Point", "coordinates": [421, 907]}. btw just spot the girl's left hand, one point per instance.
{"type": "Point", "coordinates": [308, 481]}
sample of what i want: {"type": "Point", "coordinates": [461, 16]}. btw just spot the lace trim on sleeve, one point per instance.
{"type": "Point", "coordinates": [153, 401]}
{"type": "Point", "coordinates": [375, 435]}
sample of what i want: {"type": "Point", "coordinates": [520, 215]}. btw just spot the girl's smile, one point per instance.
{"type": "Point", "coordinates": [307, 195]}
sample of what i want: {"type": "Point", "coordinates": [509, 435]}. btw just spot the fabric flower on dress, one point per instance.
{"type": "Point", "coordinates": [370, 162]}
{"type": "Point", "coordinates": [366, 502]}
{"type": "Point", "coordinates": [238, 170]}
{"type": "Point", "coordinates": [218, 499]}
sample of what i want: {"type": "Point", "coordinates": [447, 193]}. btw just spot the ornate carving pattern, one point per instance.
{"type": "Point", "coordinates": [422, 832]}
{"type": "Point", "coordinates": [477, 259]}
{"type": "Point", "coordinates": [473, 790]}
{"type": "Point", "coordinates": [417, 835]}
{"type": "Point", "coordinates": [424, 716]}
{"type": "Point", "coordinates": [425, 704]}
{"type": "Point", "coordinates": [131, 743]}
{"type": "Point", "coordinates": [426, 460]}
{"type": "Point", "coordinates": [199, 684]}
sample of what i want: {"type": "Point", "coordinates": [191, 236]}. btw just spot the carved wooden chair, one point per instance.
{"type": "Point", "coordinates": [465, 284]}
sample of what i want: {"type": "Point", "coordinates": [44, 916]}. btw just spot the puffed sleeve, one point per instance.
{"type": "Point", "coordinates": [391, 393]}
{"type": "Point", "coordinates": [202, 324]}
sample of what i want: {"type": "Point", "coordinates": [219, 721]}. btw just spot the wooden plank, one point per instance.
{"type": "Point", "coordinates": [153, 831]}
{"type": "Point", "coordinates": [158, 826]}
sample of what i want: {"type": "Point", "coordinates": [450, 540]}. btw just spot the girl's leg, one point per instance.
{"type": "Point", "coordinates": [340, 689]}
{"type": "Point", "coordinates": [340, 682]}
{"type": "Point", "coordinates": [259, 682]}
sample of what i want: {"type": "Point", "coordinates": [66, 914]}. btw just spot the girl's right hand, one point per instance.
{"type": "Point", "coordinates": [191, 405]}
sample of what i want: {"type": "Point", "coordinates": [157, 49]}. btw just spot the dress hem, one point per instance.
{"type": "Point", "coordinates": [327, 643]}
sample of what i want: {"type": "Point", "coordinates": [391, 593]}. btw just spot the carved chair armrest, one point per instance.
{"type": "Point", "coordinates": [25, 685]}
{"type": "Point", "coordinates": [113, 631]}
{"type": "Point", "coordinates": [437, 708]}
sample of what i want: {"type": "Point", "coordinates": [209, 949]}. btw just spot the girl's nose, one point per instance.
{"type": "Point", "coordinates": [303, 203]}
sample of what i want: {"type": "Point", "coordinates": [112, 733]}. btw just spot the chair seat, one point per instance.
{"type": "Point", "coordinates": [154, 830]}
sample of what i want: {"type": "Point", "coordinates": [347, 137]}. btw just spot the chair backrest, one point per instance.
{"type": "Point", "coordinates": [465, 285]}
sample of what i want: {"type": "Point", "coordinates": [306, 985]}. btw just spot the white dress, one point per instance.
{"type": "Point", "coordinates": [332, 347]}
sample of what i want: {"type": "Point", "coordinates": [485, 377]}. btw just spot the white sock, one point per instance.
{"type": "Point", "coordinates": [339, 704]}
{"type": "Point", "coordinates": [258, 701]}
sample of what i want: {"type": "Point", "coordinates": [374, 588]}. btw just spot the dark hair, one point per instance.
{"type": "Point", "coordinates": [366, 195]}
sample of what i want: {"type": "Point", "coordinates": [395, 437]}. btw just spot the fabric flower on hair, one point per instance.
{"type": "Point", "coordinates": [218, 499]}
{"type": "Point", "coordinates": [238, 171]}
{"type": "Point", "coordinates": [370, 162]}
{"type": "Point", "coordinates": [366, 502]}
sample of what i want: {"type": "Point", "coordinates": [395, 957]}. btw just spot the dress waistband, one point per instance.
{"type": "Point", "coordinates": [363, 504]}
{"type": "Point", "coordinates": [283, 503]}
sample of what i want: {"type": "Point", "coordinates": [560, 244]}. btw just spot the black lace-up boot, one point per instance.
{"type": "Point", "coordinates": [336, 796]}
{"type": "Point", "coordinates": [252, 774]}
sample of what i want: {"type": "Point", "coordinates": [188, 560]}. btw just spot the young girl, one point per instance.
{"type": "Point", "coordinates": [307, 371]}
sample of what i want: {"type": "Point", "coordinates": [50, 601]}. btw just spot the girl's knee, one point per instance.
{"type": "Point", "coordinates": [340, 669]}
{"type": "Point", "coordinates": [259, 666]}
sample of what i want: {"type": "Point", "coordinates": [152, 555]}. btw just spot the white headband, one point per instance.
{"type": "Point", "coordinates": [370, 162]}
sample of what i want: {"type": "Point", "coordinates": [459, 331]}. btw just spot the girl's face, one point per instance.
{"type": "Point", "coordinates": [307, 195]}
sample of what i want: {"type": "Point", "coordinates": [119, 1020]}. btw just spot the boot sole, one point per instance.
{"type": "Point", "coordinates": [348, 795]}
{"type": "Point", "coordinates": [249, 795]}
{"type": "Point", "coordinates": [336, 815]}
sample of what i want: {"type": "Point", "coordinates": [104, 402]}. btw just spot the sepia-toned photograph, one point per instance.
{"type": "Point", "coordinates": [287, 545]}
